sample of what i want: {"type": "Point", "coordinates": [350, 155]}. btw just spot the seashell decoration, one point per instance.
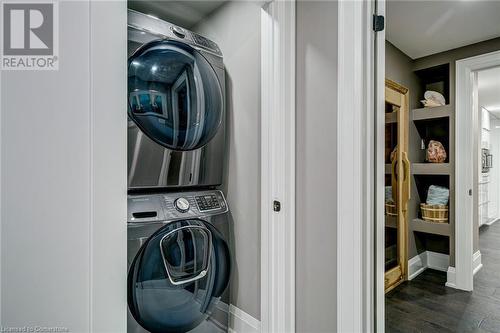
{"type": "Point", "coordinates": [433, 99]}
{"type": "Point", "coordinates": [435, 152]}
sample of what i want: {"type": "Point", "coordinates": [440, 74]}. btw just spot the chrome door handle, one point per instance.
{"type": "Point", "coordinates": [203, 272]}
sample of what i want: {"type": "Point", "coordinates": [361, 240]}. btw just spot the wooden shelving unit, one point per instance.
{"type": "Point", "coordinates": [391, 221]}
{"type": "Point", "coordinates": [431, 113]}
{"type": "Point", "coordinates": [420, 225]}
{"type": "Point", "coordinates": [431, 169]}
{"type": "Point", "coordinates": [436, 123]}
{"type": "Point", "coordinates": [388, 169]}
{"type": "Point", "coordinates": [391, 118]}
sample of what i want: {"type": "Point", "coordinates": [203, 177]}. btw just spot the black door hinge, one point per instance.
{"type": "Point", "coordinates": [378, 23]}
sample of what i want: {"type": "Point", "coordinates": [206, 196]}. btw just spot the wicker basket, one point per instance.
{"type": "Point", "coordinates": [390, 209]}
{"type": "Point", "coordinates": [434, 213]}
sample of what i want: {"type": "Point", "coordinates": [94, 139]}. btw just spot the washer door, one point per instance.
{"type": "Point", "coordinates": [175, 97]}
{"type": "Point", "coordinates": [177, 276]}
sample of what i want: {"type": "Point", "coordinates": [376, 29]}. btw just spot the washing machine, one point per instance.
{"type": "Point", "coordinates": [179, 259]}
{"type": "Point", "coordinates": [176, 97]}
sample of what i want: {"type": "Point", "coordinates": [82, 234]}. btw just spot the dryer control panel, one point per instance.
{"type": "Point", "coordinates": [175, 206]}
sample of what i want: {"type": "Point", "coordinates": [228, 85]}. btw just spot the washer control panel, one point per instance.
{"type": "Point", "coordinates": [207, 202]}
{"type": "Point", "coordinates": [173, 206]}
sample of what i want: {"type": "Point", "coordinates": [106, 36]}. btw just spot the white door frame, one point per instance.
{"type": "Point", "coordinates": [379, 174]}
{"type": "Point", "coordinates": [466, 114]}
{"type": "Point", "coordinates": [278, 166]}
{"type": "Point", "coordinates": [358, 303]}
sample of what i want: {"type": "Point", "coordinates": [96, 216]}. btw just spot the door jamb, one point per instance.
{"type": "Point", "coordinates": [278, 166]}
{"type": "Point", "coordinates": [378, 172]}
{"type": "Point", "coordinates": [358, 297]}
{"type": "Point", "coordinates": [358, 282]}
{"type": "Point", "coordinates": [465, 115]}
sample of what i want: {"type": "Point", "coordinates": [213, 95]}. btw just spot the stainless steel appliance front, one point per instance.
{"type": "Point", "coordinates": [184, 147]}
{"type": "Point", "coordinates": [179, 262]}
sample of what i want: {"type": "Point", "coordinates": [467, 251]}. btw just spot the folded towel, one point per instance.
{"type": "Point", "coordinates": [437, 195]}
{"type": "Point", "coordinates": [388, 194]}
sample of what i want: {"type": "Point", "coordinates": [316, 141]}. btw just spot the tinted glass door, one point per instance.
{"type": "Point", "coordinates": [175, 97]}
{"type": "Point", "coordinates": [397, 183]}
{"type": "Point", "coordinates": [177, 276]}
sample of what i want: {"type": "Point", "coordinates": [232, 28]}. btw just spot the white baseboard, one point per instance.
{"type": "Point", "coordinates": [239, 320]}
{"type": "Point", "coordinates": [493, 220]}
{"type": "Point", "coordinates": [242, 322]}
{"type": "Point", "coordinates": [417, 265]}
{"type": "Point", "coordinates": [440, 262]}
{"type": "Point", "coordinates": [451, 278]}
{"type": "Point", "coordinates": [427, 259]}
{"type": "Point", "coordinates": [476, 262]}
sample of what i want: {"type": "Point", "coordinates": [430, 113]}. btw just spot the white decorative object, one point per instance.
{"type": "Point", "coordinates": [433, 98]}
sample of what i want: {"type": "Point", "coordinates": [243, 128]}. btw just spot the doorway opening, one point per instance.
{"type": "Point", "coordinates": [440, 180]}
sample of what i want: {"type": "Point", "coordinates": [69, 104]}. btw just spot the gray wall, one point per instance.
{"type": "Point", "coordinates": [236, 28]}
{"type": "Point", "coordinates": [399, 68]}
{"type": "Point", "coordinates": [316, 231]}
{"type": "Point", "coordinates": [63, 179]}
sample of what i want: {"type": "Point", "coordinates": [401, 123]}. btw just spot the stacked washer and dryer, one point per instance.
{"type": "Point", "coordinates": [179, 231]}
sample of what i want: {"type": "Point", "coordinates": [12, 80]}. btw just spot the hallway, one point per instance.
{"type": "Point", "coordinates": [426, 305]}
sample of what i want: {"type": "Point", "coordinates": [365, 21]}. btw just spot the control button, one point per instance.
{"type": "Point", "coordinates": [207, 202]}
{"type": "Point", "coordinates": [182, 205]}
{"type": "Point", "coordinates": [179, 32]}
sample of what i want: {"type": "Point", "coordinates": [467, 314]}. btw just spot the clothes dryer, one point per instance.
{"type": "Point", "coordinates": [176, 97]}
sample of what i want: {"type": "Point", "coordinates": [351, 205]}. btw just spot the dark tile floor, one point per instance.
{"type": "Point", "coordinates": [426, 305]}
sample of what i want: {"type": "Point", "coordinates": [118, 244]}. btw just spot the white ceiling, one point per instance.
{"type": "Point", "coordinates": [489, 90]}
{"type": "Point", "coordinates": [421, 28]}
{"type": "Point", "coordinates": [183, 13]}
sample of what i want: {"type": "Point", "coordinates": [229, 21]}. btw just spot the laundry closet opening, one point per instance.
{"type": "Point", "coordinates": [194, 101]}
{"type": "Point", "coordinates": [440, 178]}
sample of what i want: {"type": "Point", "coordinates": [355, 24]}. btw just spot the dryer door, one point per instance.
{"type": "Point", "coordinates": [175, 97]}
{"type": "Point", "coordinates": [177, 276]}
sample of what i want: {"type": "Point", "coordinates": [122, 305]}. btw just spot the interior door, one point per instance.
{"type": "Point", "coordinates": [397, 184]}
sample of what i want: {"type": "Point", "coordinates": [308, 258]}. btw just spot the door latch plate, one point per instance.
{"type": "Point", "coordinates": [276, 205]}
{"type": "Point", "coordinates": [378, 23]}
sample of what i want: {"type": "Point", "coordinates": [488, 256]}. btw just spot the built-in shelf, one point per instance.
{"type": "Point", "coordinates": [391, 117]}
{"type": "Point", "coordinates": [430, 227]}
{"type": "Point", "coordinates": [391, 221]}
{"type": "Point", "coordinates": [430, 168]}
{"type": "Point", "coordinates": [425, 168]}
{"type": "Point", "coordinates": [431, 113]}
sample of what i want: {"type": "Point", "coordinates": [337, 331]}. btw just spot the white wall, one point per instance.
{"type": "Point", "coordinates": [235, 27]}
{"type": "Point", "coordinates": [495, 171]}
{"type": "Point", "coordinates": [484, 186]}
{"type": "Point", "coordinates": [63, 179]}
{"type": "Point", "coordinates": [489, 182]}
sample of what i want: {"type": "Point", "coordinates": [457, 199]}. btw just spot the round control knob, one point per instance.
{"type": "Point", "coordinates": [182, 205]}
{"type": "Point", "coordinates": [179, 32]}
